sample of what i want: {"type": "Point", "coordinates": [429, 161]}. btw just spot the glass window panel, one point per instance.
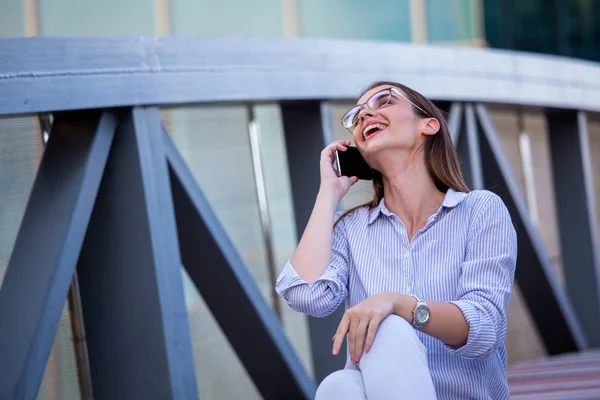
{"type": "Point", "coordinates": [60, 378]}
{"type": "Point", "coordinates": [214, 142]}
{"type": "Point", "coordinates": [283, 227]}
{"type": "Point", "coordinates": [521, 25]}
{"type": "Point", "coordinates": [12, 20]}
{"type": "Point", "coordinates": [227, 17]}
{"type": "Point", "coordinates": [219, 373]}
{"type": "Point", "coordinates": [594, 136]}
{"type": "Point", "coordinates": [21, 149]}
{"type": "Point", "coordinates": [355, 19]}
{"type": "Point", "coordinates": [449, 20]}
{"type": "Point", "coordinates": [582, 29]}
{"type": "Point", "coordinates": [91, 17]}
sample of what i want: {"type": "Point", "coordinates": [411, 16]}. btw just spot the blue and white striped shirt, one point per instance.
{"type": "Point", "coordinates": [465, 254]}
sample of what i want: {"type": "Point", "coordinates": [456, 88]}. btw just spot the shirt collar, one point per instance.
{"type": "Point", "coordinates": [451, 200]}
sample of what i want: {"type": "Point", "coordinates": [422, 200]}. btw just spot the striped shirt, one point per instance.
{"type": "Point", "coordinates": [465, 254]}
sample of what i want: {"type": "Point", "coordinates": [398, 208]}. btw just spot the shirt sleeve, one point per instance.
{"type": "Point", "coordinates": [323, 296]}
{"type": "Point", "coordinates": [487, 278]}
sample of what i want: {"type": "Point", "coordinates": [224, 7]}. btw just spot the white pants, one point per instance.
{"type": "Point", "coordinates": [394, 368]}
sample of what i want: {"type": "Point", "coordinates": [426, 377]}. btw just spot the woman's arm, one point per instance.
{"type": "Point", "coordinates": [314, 280]}
{"type": "Point", "coordinates": [447, 322]}
{"type": "Point", "coordinates": [474, 324]}
{"type": "Point", "coordinates": [313, 254]}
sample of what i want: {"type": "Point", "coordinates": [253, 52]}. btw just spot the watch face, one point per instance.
{"type": "Point", "coordinates": [422, 315]}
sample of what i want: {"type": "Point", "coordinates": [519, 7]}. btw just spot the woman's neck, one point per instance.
{"type": "Point", "coordinates": [411, 194]}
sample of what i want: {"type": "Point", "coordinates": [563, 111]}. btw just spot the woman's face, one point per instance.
{"type": "Point", "coordinates": [391, 125]}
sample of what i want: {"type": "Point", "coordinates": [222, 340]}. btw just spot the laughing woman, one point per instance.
{"type": "Point", "coordinates": [425, 270]}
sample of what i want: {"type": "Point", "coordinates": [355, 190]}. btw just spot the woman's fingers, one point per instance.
{"type": "Point", "coordinates": [373, 325]}
{"type": "Point", "coordinates": [352, 335]}
{"type": "Point", "coordinates": [328, 151]}
{"type": "Point", "coordinates": [340, 334]}
{"type": "Point", "coordinates": [359, 339]}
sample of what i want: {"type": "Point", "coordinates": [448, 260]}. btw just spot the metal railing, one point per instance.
{"type": "Point", "coordinates": [115, 203]}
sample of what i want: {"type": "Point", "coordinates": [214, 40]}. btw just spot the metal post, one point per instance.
{"type": "Point", "coordinates": [307, 131]}
{"type": "Point", "coordinates": [550, 308]}
{"type": "Point", "coordinates": [573, 189]}
{"type": "Point", "coordinates": [129, 274]}
{"type": "Point", "coordinates": [42, 264]}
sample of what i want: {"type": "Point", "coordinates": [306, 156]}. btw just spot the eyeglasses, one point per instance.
{"type": "Point", "coordinates": [375, 102]}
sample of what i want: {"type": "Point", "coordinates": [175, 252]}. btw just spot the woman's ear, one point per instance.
{"type": "Point", "coordinates": [432, 126]}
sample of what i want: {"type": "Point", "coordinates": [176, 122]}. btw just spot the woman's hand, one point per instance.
{"type": "Point", "coordinates": [329, 178]}
{"type": "Point", "coordinates": [361, 321]}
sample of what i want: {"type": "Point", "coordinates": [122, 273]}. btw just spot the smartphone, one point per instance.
{"type": "Point", "coordinates": [351, 163]}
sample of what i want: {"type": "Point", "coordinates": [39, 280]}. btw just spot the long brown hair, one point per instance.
{"type": "Point", "coordinates": [440, 156]}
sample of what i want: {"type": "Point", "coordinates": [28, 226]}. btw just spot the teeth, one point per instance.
{"type": "Point", "coordinates": [372, 128]}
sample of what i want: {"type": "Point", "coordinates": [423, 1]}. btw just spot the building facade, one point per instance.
{"type": "Point", "coordinates": [214, 141]}
{"type": "Point", "coordinates": [562, 27]}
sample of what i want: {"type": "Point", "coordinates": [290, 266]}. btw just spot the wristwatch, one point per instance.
{"type": "Point", "coordinates": [421, 314]}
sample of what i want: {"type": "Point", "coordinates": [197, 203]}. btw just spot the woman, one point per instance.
{"type": "Point", "coordinates": [425, 269]}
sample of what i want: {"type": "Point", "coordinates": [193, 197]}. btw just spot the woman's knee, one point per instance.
{"type": "Point", "coordinates": [346, 383]}
{"type": "Point", "coordinates": [395, 326]}
{"type": "Point", "coordinates": [395, 331]}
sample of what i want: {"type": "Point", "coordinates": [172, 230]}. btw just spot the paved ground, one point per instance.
{"type": "Point", "coordinates": [564, 377]}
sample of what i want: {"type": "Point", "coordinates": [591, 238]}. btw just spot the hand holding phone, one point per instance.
{"type": "Point", "coordinates": [351, 163]}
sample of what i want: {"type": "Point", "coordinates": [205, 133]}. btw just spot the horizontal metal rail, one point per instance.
{"type": "Point", "coordinates": [48, 73]}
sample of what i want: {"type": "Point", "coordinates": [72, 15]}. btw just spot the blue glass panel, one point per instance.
{"type": "Point", "coordinates": [355, 19]}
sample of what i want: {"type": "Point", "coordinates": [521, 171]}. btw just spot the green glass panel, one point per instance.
{"type": "Point", "coordinates": [21, 149]}
{"type": "Point", "coordinates": [582, 29]}
{"type": "Point", "coordinates": [449, 20]}
{"type": "Point", "coordinates": [227, 17]}
{"type": "Point", "coordinates": [522, 25]}
{"type": "Point", "coordinates": [12, 20]}
{"type": "Point", "coordinates": [355, 19]}
{"type": "Point", "coordinates": [96, 18]}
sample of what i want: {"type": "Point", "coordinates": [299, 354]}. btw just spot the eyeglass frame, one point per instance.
{"type": "Point", "coordinates": [363, 105]}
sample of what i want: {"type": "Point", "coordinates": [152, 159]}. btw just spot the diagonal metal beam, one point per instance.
{"type": "Point", "coordinates": [230, 292]}
{"type": "Point", "coordinates": [573, 189]}
{"type": "Point", "coordinates": [550, 308]}
{"type": "Point", "coordinates": [129, 274]}
{"type": "Point", "coordinates": [41, 267]}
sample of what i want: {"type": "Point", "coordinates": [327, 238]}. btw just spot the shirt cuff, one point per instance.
{"type": "Point", "coordinates": [480, 342]}
{"type": "Point", "coordinates": [319, 298]}
{"type": "Point", "coordinates": [289, 278]}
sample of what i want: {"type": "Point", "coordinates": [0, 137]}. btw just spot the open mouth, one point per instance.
{"type": "Point", "coordinates": [372, 130]}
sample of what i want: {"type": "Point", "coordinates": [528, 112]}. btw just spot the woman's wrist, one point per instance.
{"type": "Point", "coordinates": [329, 194]}
{"type": "Point", "coordinates": [404, 305]}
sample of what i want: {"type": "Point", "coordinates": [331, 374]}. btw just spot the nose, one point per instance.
{"type": "Point", "coordinates": [365, 112]}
